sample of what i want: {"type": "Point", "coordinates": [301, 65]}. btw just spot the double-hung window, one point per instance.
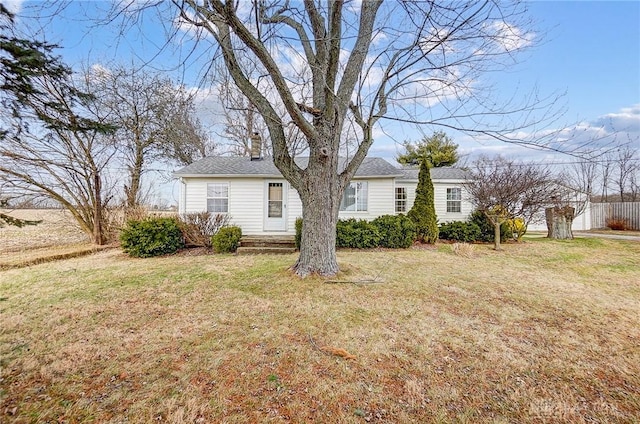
{"type": "Point", "coordinates": [355, 198]}
{"type": "Point", "coordinates": [218, 197]}
{"type": "Point", "coordinates": [401, 199]}
{"type": "Point", "coordinates": [454, 199]}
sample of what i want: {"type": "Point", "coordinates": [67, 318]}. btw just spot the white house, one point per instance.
{"type": "Point", "coordinates": [261, 202]}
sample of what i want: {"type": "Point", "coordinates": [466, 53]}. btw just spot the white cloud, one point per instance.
{"type": "Point", "coordinates": [509, 37]}
{"type": "Point", "coordinates": [626, 119]}
{"type": "Point", "coordinates": [184, 25]}
{"type": "Point", "coordinates": [587, 138]}
{"type": "Point", "coordinates": [14, 6]}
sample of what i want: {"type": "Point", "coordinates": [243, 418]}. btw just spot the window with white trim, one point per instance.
{"type": "Point", "coordinates": [355, 197]}
{"type": "Point", "coordinates": [401, 199]}
{"type": "Point", "coordinates": [218, 197]}
{"type": "Point", "coordinates": [454, 199]}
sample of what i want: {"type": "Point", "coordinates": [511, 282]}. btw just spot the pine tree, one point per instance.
{"type": "Point", "coordinates": [423, 212]}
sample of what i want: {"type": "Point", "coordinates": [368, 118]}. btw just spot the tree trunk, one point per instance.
{"type": "Point", "coordinates": [98, 231]}
{"type": "Point", "coordinates": [320, 206]}
{"type": "Point", "coordinates": [497, 221]}
{"type": "Point", "coordinates": [132, 191]}
{"type": "Point", "coordinates": [318, 245]}
{"type": "Point", "coordinates": [496, 234]}
{"type": "Point", "coordinates": [559, 220]}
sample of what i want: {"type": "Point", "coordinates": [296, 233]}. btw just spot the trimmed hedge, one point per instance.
{"type": "Point", "coordinates": [152, 236]}
{"type": "Point", "coordinates": [392, 231]}
{"type": "Point", "coordinates": [357, 233]}
{"type": "Point", "coordinates": [227, 239]}
{"type": "Point", "coordinates": [396, 231]}
{"type": "Point", "coordinates": [460, 231]}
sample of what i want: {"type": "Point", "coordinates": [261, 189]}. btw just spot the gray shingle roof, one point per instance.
{"type": "Point", "coordinates": [240, 166]}
{"type": "Point", "coordinates": [440, 173]}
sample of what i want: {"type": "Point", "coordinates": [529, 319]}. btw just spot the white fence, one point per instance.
{"type": "Point", "coordinates": [629, 211]}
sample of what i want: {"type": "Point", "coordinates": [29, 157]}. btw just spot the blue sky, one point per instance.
{"type": "Point", "coordinates": [589, 50]}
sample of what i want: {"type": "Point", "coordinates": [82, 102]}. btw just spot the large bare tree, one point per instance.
{"type": "Point", "coordinates": [242, 121]}
{"type": "Point", "coordinates": [49, 148]}
{"type": "Point", "coordinates": [154, 118]}
{"type": "Point", "coordinates": [331, 61]}
{"type": "Point", "coordinates": [60, 155]}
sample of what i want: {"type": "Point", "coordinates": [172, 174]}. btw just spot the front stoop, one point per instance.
{"type": "Point", "coordinates": [253, 245]}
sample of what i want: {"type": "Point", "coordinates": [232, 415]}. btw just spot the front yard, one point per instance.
{"type": "Point", "coordinates": [545, 331]}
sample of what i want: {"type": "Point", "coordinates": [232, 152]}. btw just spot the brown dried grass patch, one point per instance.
{"type": "Point", "coordinates": [57, 228]}
{"type": "Point", "coordinates": [524, 335]}
{"type": "Point", "coordinates": [465, 250]}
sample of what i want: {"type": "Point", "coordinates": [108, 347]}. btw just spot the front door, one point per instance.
{"type": "Point", "coordinates": [275, 216]}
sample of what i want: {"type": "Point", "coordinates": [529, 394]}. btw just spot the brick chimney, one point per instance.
{"type": "Point", "coordinates": [256, 146]}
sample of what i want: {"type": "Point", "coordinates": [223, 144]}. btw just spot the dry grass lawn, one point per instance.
{"type": "Point", "coordinates": [545, 331]}
{"type": "Point", "coordinates": [57, 234]}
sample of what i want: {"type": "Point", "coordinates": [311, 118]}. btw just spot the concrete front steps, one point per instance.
{"type": "Point", "coordinates": [253, 245]}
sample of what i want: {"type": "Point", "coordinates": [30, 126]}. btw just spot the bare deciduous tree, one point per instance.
{"type": "Point", "coordinates": [503, 189]}
{"type": "Point", "coordinates": [242, 120]}
{"type": "Point", "coordinates": [61, 156]}
{"type": "Point", "coordinates": [415, 62]}
{"type": "Point", "coordinates": [577, 185]}
{"type": "Point", "coordinates": [154, 120]}
{"type": "Point", "coordinates": [49, 148]}
{"type": "Point", "coordinates": [626, 167]}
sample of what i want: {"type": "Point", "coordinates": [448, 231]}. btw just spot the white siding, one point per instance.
{"type": "Point", "coordinates": [195, 195]}
{"type": "Point", "coordinates": [440, 199]}
{"type": "Point", "coordinates": [381, 200]}
{"type": "Point", "coordinates": [246, 204]}
{"type": "Point", "coordinates": [294, 210]}
{"type": "Point", "coordinates": [247, 201]}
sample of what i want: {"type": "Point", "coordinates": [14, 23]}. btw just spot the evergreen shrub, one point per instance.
{"type": "Point", "coordinates": [396, 231]}
{"type": "Point", "coordinates": [460, 231]}
{"type": "Point", "coordinates": [423, 212]}
{"type": "Point", "coordinates": [227, 239]}
{"type": "Point", "coordinates": [298, 232]}
{"type": "Point", "coordinates": [357, 233]}
{"type": "Point", "coordinates": [151, 236]}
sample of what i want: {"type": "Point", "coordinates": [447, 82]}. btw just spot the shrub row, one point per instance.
{"type": "Point", "coordinates": [155, 236]}
{"type": "Point", "coordinates": [391, 231]}
{"type": "Point", "coordinates": [479, 228]}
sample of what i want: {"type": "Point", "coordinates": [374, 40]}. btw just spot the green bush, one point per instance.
{"type": "Point", "coordinates": [486, 228]}
{"type": "Point", "coordinates": [423, 212]}
{"type": "Point", "coordinates": [359, 234]}
{"type": "Point", "coordinates": [460, 231]}
{"type": "Point", "coordinates": [298, 232]}
{"type": "Point", "coordinates": [152, 236]}
{"type": "Point", "coordinates": [396, 231]}
{"type": "Point", "coordinates": [227, 239]}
